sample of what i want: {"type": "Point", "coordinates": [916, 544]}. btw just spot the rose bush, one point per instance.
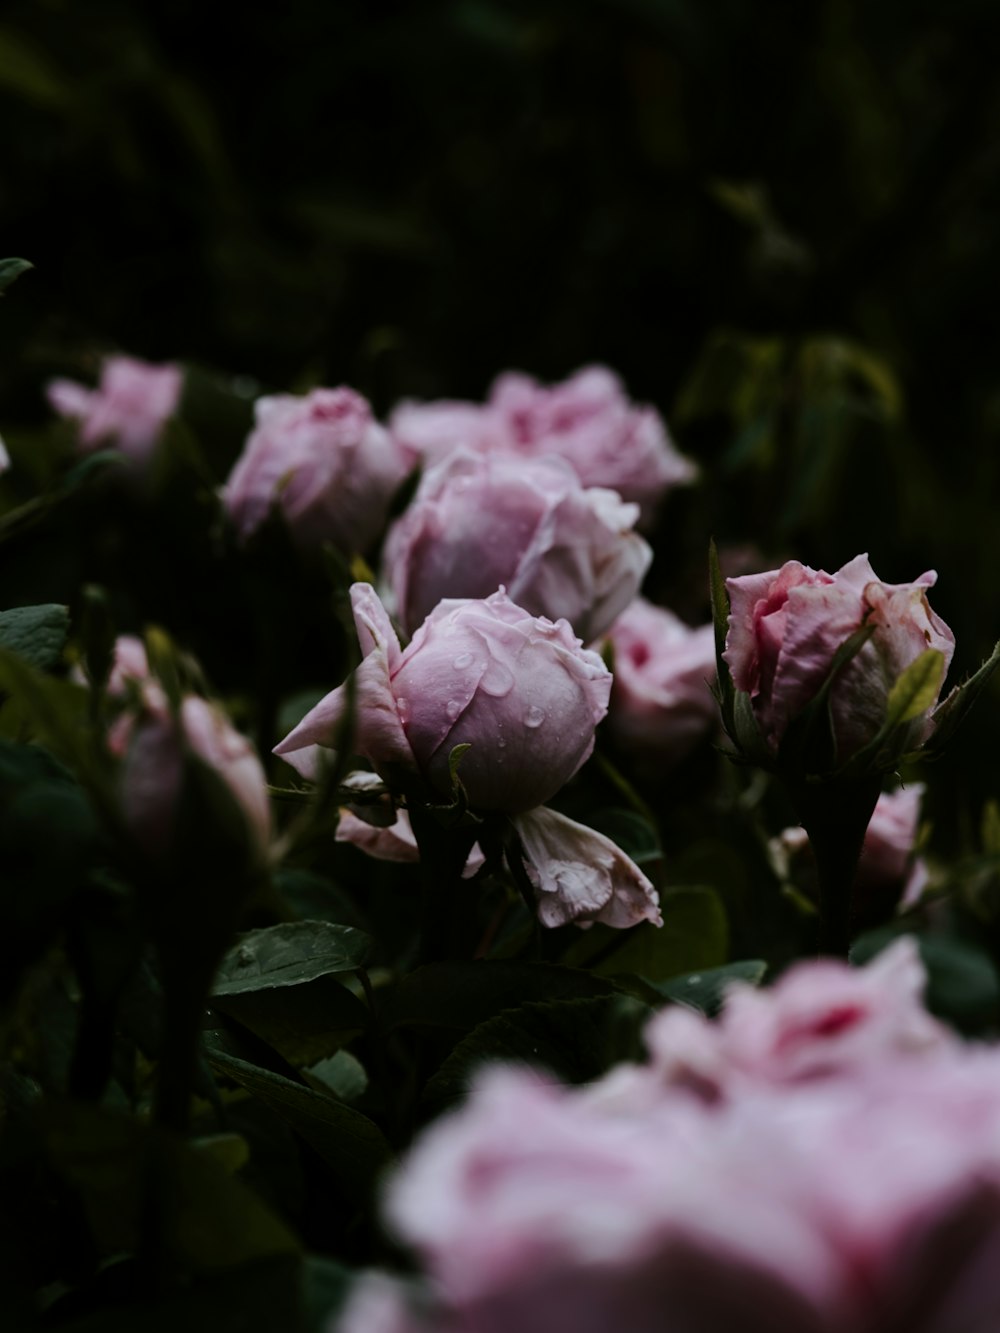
{"type": "Point", "coordinates": [787, 626]}
{"type": "Point", "coordinates": [129, 408]}
{"type": "Point", "coordinates": [478, 523]}
{"type": "Point", "coordinates": [324, 462]}
{"type": "Point", "coordinates": [661, 700]}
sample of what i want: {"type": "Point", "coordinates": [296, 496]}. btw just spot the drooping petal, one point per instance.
{"type": "Point", "coordinates": [580, 875]}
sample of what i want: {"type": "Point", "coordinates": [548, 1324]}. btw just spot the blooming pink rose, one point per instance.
{"type": "Point", "coordinates": [857, 1194]}
{"type": "Point", "coordinates": [478, 523]}
{"type": "Point", "coordinates": [324, 461]}
{"type": "Point", "coordinates": [520, 690]}
{"type": "Point", "coordinates": [129, 408]}
{"type": "Point", "coordinates": [590, 422]}
{"type": "Point", "coordinates": [661, 701]}
{"type": "Point", "coordinates": [786, 626]}
{"type": "Point", "coordinates": [152, 745]}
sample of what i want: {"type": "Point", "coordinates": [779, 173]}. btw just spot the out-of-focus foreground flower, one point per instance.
{"type": "Point", "coordinates": [824, 1159]}
{"type": "Point", "coordinates": [129, 408]}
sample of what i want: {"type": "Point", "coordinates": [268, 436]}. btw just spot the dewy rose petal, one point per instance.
{"type": "Point", "coordinates": [521, 691]}
{"type": "Point", "coordinates": [481, 522]}
{"type": "Point", "coordinates": [786, 627]}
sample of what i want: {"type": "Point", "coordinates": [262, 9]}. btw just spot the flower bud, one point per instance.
{"type": "Point", "coordinates": [324, 461]}
{"type": "Point", "coordinates": [873, 654]}
{"type": "Point", "coordinates": [519, 690]}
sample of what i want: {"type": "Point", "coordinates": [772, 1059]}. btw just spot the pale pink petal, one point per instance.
{"type": "Point", "coordinates": [580, 875]}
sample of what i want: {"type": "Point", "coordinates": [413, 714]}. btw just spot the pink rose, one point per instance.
{"type": "Point", "coordinates": [661, 701]}
{"type": "Point", "coordinates": [520, 690]}
{"type": "Point", "coordinates": [152, 744]}
{"type": "Point", "coordinates": [324, 461]}
{"type": "Point", "coordinates": [847, 1182]}
{"type": "Point", "coordinates": [129, 408]}
{"type": "Point", "coordinates": [589, 421]}
{"type": "Point", "coordinates": [481, 522]}
{"type": "Point", "coordinates": [786, 626]}
{"type": "Point", "coordinates": [525, 696]}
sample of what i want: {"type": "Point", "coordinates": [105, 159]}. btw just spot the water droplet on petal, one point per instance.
{"type": "Point", "coordinates": [497, 679]}
{"type": "Point", "coordinates": [402, 708]}
{"type": "Point", "coordinates": [453, 708]}
{"type": "Point", "coordinates": [462, 661]}
{"type": "Point", "coordinates": [534, 717]}
{"type": "Point", "coordinates": [501, 743]}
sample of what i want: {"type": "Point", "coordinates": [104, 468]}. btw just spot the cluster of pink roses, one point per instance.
{"type": "Point", "coordinates": [823, 1159]}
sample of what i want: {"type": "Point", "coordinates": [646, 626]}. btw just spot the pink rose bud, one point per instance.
{"type": "Point", "coordinates": [324, 461]}
{"type": "Point", "coordinates": [129, 408]}
{"type": "Point", "coordinates": [786, 628]}
{"type": "Point", "coordinates": [152, 745]}
{"type": "Point", "coordinates": [661, 701]}
{"type": "Point", "coordinates": [520, 690]}
{"type": "Point", "coordinates": [481, 522]}
{"type": "Point", "coordinates": [590, 422]}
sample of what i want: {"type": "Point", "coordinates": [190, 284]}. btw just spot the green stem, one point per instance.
{"type": "Point", "coordinates": [836, 816]}
{"type": "Point", "coordinates": [446, 898]}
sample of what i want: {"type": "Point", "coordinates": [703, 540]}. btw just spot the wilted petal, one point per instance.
{"type": "Point", "coordinates": [582, 876]}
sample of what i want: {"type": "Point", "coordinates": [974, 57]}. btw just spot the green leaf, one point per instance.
{"type": "Point", "coordinates": [52, 711]}
{"type": "Point", "coordinates": [579, 1040]}
{"type": "Point", "coordinates": [705, 990]}
{"type": "Point", "coordinates": [694, 936]}
{"type": "Point", "coordinates": [128, 1172]}
{"type": "Point", "coordinates": [342, 1074]}
{"type": "Point", "coordinates": [351, 1145]}
{"type": "Point", "coordinates": [304, 1023]}
{"type": "Point", "coordinates": [630, 831]}
{"type": "Point", "coordinates": [916, 689]}
{"type": "Point", "coordinates": [11, 269]}
{"type": "Point", "coordinates": [36, 633]}
{"type": "Point", "coordinates": [290, 954]}
{"type": "Point", "coordinates": [426, 998]}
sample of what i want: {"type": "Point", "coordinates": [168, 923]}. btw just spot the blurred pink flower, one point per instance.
{"type": "Point", "coordinates": [478, 523]}
{"type": "Point", "coordinates": [835, 1188]}
{"type": "Point", "coordinates": [324, 461]}
{"type": "Point", "coordinates": [129, 408]}
{"type": "Point", "coordinates": [661, 701]}
{"type": "Point", "coordinates": [588, 420]}
{"type": "Point", "coordinates": [151, 742]}
{"type": "Point", "coordinates": [786, 626]}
